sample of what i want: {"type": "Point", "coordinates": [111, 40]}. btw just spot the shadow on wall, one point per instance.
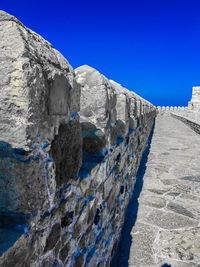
{"type": "Point", "coordinates": [94, 148]}
{"type": "Point", "coordinates": [12, 227]}
{"type": "Point", "coordinates": [122, 254]}
{"type": "Point", "coordinates": [12, 224]}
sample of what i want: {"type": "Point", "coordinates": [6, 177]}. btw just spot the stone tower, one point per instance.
{"type": "Point", "coordinates": [194, 104]}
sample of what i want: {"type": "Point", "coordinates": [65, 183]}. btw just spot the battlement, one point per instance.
{"type": "Point", "coordinates": [193, 104]}
{"type": "Point", "coordinates": [171, 108]}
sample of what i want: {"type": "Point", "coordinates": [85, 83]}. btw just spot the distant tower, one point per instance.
{"type": "Point", "coordinates": [195, 101]}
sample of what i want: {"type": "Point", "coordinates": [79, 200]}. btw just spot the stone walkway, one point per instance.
{"type": "Point", "coordinates": [167, 229]}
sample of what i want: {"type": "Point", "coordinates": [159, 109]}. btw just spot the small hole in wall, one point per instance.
{"type": "Point", "coordinates": [67, 219]}
{"type": "Point", "coordinates": [121, 189]}
{"type": "Point", "coordinates": [97, 217]}
{"type": "Point", "coordinates": [118, 157]}
{"type": "Point", "coordinates": [101, 207]}
{"type": "Point", "coordinates": [138, 140]}
{"type": "Point", "coordinates": [127, 140]}
{"type": "Point", "coordinates": [126, 188]}
{"type": "Point", "coordinates": [138, 121]}
{"type": "Point", "coordinates": [105, 153]}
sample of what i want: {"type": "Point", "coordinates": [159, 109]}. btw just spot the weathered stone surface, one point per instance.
{"type": "Point", "coordinates": [115, 161]}
{"type": "Point", "coordinates": [144, 237]}
{"type": "Point", "coordinates": [66, 151]}
{"type": "Point", "coordinates": [65, 180]}
{"type": "Point", "coordinates": [98, 98]}
{"type": "Point", "coordinates": [182, 245]}
{"type": "Point", "coordinates": [36, 85]}
{"type": "Point", "coordinates": [37, 88]}
{"type": "Point", "coordinates": [169, 202]}
{"type": "Point", "coordinates": [53, 237]}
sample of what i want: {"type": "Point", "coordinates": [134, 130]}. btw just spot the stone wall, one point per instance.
{"type": "Point", "coordinates": [70, 146]}
{"type": "Point", "coordinates": [194, 103]}
{"type": "Point", "coordinates": [191, 123]}
{"type": "Point", "coordinates": [186, 112]}
{"type": "Point", "coordinates": [162, 109]}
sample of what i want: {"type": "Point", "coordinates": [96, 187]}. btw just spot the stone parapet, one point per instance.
{"type": "Point", "coordinates": [70, 146]}
{"type": "Point", "coordinates": [170, 108]}
{"type": "Point", "coordinates": [194, 125]}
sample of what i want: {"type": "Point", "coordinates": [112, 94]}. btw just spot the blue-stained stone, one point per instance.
{"type": "Point", "coordinates": [90, 161]}
{"type": "Point", "coordinates": [46, 215]}
{"type": "Point", "coordinates": [127, 176]}
{"type": "Point", "coordinates": [90, 198]}
{"type": "Point", "coordinates": [5, 150]}
{"type": "Point", "coordinates": [90, 254]}
{"type": "Point", "coordinates": [120, 140]}
{"type": "Point", "coordinates": [11, 219]}
{"type": "Point", "coordinates": [112, 169]}
{"type": "Point", "coordinates": [97, 217]}
{"type": "Point", "coordinates": [19, 154]}
{"type": "Point", "coordinates": [23, 228]}
{"type": "Point", "coordinates": [99, 237]}
{"type": "Point", "coordinates": [83, 174]}
{"type": "Point", "coordinates": [74, 116]}
{"type": "Point", "coordinates": [108, 240]}
{"type": "Point", "coordinates": [130, 131]}
{"type": "Point", "coordinates": [19, 151]}
{"type": "Point", "coordinates": [44, 145]}
{"type": "Point", "coordinates": [77, 253]}
{"type": "Point", "coordinates": [12, 226]}
{"type": "Point", "coordinates": [57, 263]}
{"type": "Point", "coordinates": [92, 132]}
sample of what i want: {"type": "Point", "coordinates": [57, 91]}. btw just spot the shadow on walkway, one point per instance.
{"type": "Point", "coordinates": [121, 256]}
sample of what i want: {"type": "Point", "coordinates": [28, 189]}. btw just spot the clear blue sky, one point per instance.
{"type": "Point", "coordinates": [149, 46]}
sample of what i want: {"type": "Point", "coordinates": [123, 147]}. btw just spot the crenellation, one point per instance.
{"type": "Point", "coordinates": [193, 105]}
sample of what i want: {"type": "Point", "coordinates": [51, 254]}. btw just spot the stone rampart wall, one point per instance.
{"type": "Point", "coordinates": [192, 124]}
{"type": "Point", "coordinates": [170, 108]}
{"type": "Point", "coordinates": [70, 146]}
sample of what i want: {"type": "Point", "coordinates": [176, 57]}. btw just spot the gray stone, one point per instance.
{"type": "Point", "coordinates": [153, 201]}
{"type": "Point", "coordinates": [172, 177]}
{"type": "Point", "coordinates": [98, 98]}
{"type": "Point", "coordinates": [53, 237]}
{"type": "Point", "coordinates": [192, 178]}
{"type": "Point", "coordinates": [142, 250]}
{"type": "Point", "coordinates": [66, 151]}
{"type": "Point", "coordinates": [71, 144]}
{"type": "Point", "coordinates": [37, 86]}
{"type": "Point", "coordinates": [182, 245]}
{"type": "Point", "coordinates": [179, 209]}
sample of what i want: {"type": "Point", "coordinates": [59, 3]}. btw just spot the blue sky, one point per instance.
{"type": "Point", "coordinates": [150, 46]}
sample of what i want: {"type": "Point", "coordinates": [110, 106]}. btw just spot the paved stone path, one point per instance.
{"type": "Point", "coordinates": [167, 229]}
